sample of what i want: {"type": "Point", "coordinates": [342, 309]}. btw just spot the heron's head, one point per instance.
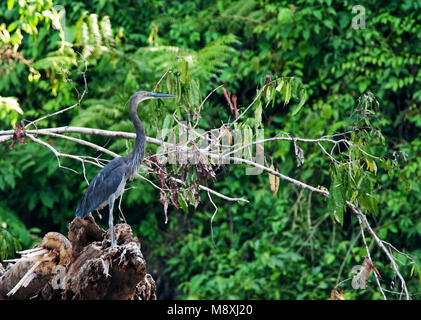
{"type": "Point", "coordinates": [145, 95]}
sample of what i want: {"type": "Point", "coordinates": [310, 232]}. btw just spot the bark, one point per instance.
{"type": "Point", "coordinates": [82, 266]}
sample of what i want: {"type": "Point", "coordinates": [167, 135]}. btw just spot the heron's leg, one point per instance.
{"type": "Point", "coordinates": [119, 208]}
{"type": "Point", "coordinates": [110, 220]}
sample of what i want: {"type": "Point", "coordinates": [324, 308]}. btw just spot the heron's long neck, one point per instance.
{"type": "Point", "coordinates": [138, 153]}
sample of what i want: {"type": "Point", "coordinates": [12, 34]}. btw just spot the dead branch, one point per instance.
{"type": "Point", "coordinates": [80, 267]}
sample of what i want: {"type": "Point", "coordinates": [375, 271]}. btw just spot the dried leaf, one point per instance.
{"type": "Point", "coordinates": [337, 294]}
{"type": "Point", "coordinates": [368, 266]}
{"type": "Point", "coordinates": [370, 165]}
{"type": "Point", "coordinates": [18, 134]}
{"type": "Point", "coordinates": [228, 134]}
{"type": "Point", "coordinates": [274, 181]}
{"type": "Point", "coordinates": [299, 153]}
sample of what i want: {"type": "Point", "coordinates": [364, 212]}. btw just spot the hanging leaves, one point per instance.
{"type": "Point", "coordinates": [299, 93]}
{"type": "Point", "coordinates": [183, 203]}
{"type": "Point", "coordinates": [172, 190]}
{"type": "Point", "coordinates": [366, 197]}
{"type": "Point", "coordinates": [172, 84]}
{"type": "Point", "coordinates": [183, 67]}
{"type": "Point", "coordinates": [299, 154]}
{"type": "Point", "coordinates": [290, 88]}
{"type": "Point", "coordinates": [286, 90]}
{"type": "Point", "coordinates": [362, 273]}
{"type": "Point", "coordinates": [193, 92]}
{"type": "Point", "coordinates": [258, 115]}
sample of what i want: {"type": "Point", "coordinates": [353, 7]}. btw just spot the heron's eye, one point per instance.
{"type": "Point", "coordinates": [146, 94]}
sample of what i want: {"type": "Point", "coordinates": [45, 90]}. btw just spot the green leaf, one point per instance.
{"type": "Point", "coordinates": [46, 199]}
{"type": "Point", "coordinates": [287, 92]}
{"type": "Point", "coordinates": [329, 257]}
{"type": "Point", "coordinates": [418, 228]}
{"type": "Point", "coordinates": [171, 83]}
{"type": "Point", "coordinates": [303, 98]}
{"type": "Point", "coordinates": [184, 69]}
{"type": "Point", "coordinates": [10, 180]}
{"type": "Point", "coordinates": [195, 87]}
{"type": "Point", "coordinates": [10, 4]}
{"type": "Point", "coordinates": [336, 201]}
{"type": "Point", "coordinates": [328, 24]}
{"type": "Point", "coordinates": [269, 93]}
{"type": "Point", "coordinates": [280, 85]}
{"type": "Point", "coordinates": [354, 196]}
{"type": "Point", "coordinates": [12, 26]}
{"type": "Point", "coordinates": [285, 15]}
{"type": "Point", "coordinates": [393, 228]}
{"type": "Point", "coordinates": [318, 14]}
{"type": "Point", "coordinates": [183, 204]}
{"type": "Point", "coordinates": [168, 122]}
{"type": "Point", "coordinates": [258, 114]}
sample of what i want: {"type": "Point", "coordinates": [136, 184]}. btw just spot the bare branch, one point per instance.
{"type": "Point", "coordinates": [369, 257]}
{"type": "Point", "coordinates": [379, 242]}
{"type": "Point", "coordinates": [65, 155]}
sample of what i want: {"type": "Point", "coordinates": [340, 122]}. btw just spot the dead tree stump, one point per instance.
{"type": "Point", "coordinates": [82, 266]}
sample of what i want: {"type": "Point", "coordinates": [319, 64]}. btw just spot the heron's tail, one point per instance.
{"type": "Point", "coordinates": [81, 210]}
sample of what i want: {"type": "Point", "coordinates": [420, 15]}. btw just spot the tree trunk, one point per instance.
{"type": "Point", "coordinates": [82, 266]}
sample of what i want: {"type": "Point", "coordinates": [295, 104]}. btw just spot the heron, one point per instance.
{"type": "Point", "coordinates": [108, 185]}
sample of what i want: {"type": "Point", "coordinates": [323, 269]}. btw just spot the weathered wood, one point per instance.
{"type": "Point", "coordinates": [82, 266]}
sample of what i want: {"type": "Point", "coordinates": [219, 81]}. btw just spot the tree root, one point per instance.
{"type": "Point", "coordinates": [82, 266]}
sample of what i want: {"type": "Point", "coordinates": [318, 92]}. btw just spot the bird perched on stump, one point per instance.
{"type": "Point", "coordinates": [110, 181]}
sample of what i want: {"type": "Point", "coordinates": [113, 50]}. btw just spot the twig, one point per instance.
{"type": "Point", "coordinates": [213, 217]}
{"type": "Point", "coordinates": [369, 257]}
{"type": "Point", "coordinates": [60, 154]}
{"type": "Point", "coordinates": [379, 242]}
{"type": "Point", "coordinates": [201, 105]}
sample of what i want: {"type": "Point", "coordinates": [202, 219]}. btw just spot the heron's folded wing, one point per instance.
{"type": "Point", "coordinates": [102, 186]}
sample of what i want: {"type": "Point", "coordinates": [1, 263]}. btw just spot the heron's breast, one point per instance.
{"type": "Point", "coordinates": [120, 188]}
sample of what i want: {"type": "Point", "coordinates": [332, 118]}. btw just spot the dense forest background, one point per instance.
{"type": "Point", "coordinates": [281, 245]}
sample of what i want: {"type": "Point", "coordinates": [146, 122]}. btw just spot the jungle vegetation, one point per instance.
{"type": "Point", "coordinates": [321, 78]}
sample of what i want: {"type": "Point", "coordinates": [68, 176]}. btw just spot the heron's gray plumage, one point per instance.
{"type": "Point", "coordinates": [108, 184]}
{"type": "Point", "coordinates": [102, 186]}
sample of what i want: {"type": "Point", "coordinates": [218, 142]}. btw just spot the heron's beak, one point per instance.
{"type": "Point", "coordinates": [160, 95]}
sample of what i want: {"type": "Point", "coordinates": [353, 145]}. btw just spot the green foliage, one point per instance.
{"type": "Point", "coordinates": [9, 107]}
{"type": "Point", "coordinates": [283, 246]}
{"type": "Point", "coordinates": [13, 233]}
